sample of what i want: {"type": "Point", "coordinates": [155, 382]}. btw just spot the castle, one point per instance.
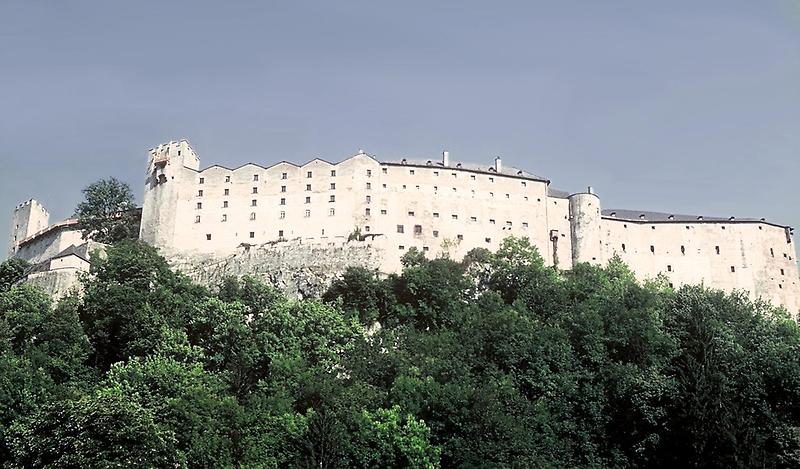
{"type": "Point", "coordinates": [204, 219]}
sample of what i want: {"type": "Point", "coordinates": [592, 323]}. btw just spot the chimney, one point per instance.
{"type": "Point", "coordinates": [446, 158]}
{"type": "Point", "coordinates": [498, 165]}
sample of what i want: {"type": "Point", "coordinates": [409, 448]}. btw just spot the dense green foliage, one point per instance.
{"type": "Point", "coordinates": [107, 213]}
{"type": "Point", "coordinates": [496, 361]}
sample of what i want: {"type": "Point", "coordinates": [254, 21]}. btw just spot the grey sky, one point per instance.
{"type": "Point", "coordinates": [686, 107]}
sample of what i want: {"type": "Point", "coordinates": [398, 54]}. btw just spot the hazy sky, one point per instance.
{"type": "Point", "coordinates": [686, 107]}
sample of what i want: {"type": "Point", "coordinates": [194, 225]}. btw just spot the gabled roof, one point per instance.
{"type": "Point", "coordinates": [72, 250]}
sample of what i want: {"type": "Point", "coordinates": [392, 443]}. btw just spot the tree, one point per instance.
{"type": "Point", "coordinates": [104, 429]}
{"type": "Point", "coordinates": [107, 214]}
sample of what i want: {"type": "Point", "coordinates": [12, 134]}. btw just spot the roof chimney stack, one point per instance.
{"type": "Point", "coordinates": [498, 165]}
{"type": "Point", "coordinates": [445, 158]}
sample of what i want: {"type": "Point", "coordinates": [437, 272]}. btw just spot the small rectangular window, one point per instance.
{"type": "Point", "coordinates": [400, 228]}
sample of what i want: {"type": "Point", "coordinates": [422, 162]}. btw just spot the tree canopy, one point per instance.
{"type": "Point", "coordinates": [495, 361]}
{"type": "Point", "coordinates": [107, 213]}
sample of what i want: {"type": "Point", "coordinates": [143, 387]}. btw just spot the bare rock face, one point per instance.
{"type": "Point", "coordinates": [298, 269]}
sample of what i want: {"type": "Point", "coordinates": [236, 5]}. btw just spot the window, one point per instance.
{"type": "Point", "coordinates": [280, 233]}
{"type": "Point", "coordinates": [227, 192]}
{"type": "Point", "coordinates": [331, 212]}
{"type": "Point", "coordinates": [202, 180]}
{"type": "Point", "coordinates": [435, 233]}
{"type": "Point", "coordinates": [435, 214]}
{"type": "Point", "coordinates": [252, 216]}
{"type": "Point", "coordinates": [199, 205]}
{"type": "Point", "coordinates": [308, 200]}
{"type": "Point", "coordinates": [333, 173]}
{"type": "Point", "coordinates": [454, 216]}
{"type": "Point", "coordinates": [282, 215]}
{"type": "Point", "coordinates": [308, 187]}
{"type": "Point", "coordinates": [197, 219]}
{"type": "Point", "coordinates": [410, 214]}
{"type": "Point", "coordinates": [200, 193]}
{"type": "Point", "coordinates": [333, 186]}
{"type": "Point", "coordinates": [308, 213]}
{"type": "Point", "coordinates": [252, 234]}
{"type": "Point", "coordinates": [227, 179]}
{"type": "Point", "coordinates": [224, 204]}
{"type": "Point", "coordinates": [308, 174]}
{"type": "Point", "coordinates": [284, 176]}
{"type": "Point", "coordinates": [283, 201]}
{"type": "Point", "coordinates": [417, 229]}
{"type": "Point", "coordinates": [255, 190]}
{"type": "Point", "coordinates": [255, 178]}
{"type": "Point", "coordinates": [253, 203]}
{"type": "Point", "coordinates": [224, 217]}
{"type": "Point", "coordinates": [400, 228]}
{"type": "Point", "coordinates": [716, 248]}
{"type": "Point", "coordinates": [208, 236]}
{"type": "Point", "coordinates": [283, 188]}
{"type": "Point", "coordinates": [367, 211]}
{"type": "Point", "coordinates": [332, 198]}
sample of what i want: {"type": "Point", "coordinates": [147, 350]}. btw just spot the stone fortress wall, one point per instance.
{"type": "Point", "coordinates": [207, 221]}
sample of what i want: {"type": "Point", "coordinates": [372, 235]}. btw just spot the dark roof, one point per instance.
{"type": "Point", "coordinates": [489, 169]}
{"type": "Point", "coordinates": [71, 251]}
{"type": "Point", "coordinates": [655, 217]}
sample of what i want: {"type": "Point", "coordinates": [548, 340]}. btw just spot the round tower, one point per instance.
{"type": "Point", "coordinates": [584, 221]}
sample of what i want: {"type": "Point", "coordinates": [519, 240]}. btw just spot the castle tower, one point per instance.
{"type": "Point", "coordinates": [29, 218]}
{"type": "Point", "coordinates": [166, 184]}
{"type": "Point", "coordinates": [584, 220]}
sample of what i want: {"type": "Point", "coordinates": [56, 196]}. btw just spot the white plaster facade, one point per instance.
{"type": "Point", "coordinates": [439, 207]}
